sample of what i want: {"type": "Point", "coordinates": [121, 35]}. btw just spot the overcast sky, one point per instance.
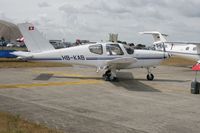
{"type": "Point", "coordinates": [94, 19]}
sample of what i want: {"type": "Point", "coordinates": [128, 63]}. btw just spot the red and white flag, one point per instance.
{"type": "Point", "coordinates": [21, 39]}
{"type": "Point", "coordinates": [31, 28]}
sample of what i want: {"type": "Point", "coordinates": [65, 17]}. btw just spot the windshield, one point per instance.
{"type": "Point", "coordinates": [129, 49]}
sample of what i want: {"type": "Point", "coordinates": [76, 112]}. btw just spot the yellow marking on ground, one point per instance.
{"type": "Point", "coordinates": [80, 82]}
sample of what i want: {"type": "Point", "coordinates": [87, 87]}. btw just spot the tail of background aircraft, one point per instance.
{"type": "Point", "coordinates": [34, 40]}
{"type": "Point", "coordinates": [157, 36]}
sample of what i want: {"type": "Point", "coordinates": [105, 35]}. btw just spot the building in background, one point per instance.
{"type": "Point", "coordinates": [9, 31]}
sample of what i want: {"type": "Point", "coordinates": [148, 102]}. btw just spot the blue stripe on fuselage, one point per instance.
{"type": "Point", "coordinates": [101, 58]}
{"type": "Point", "coordinates": [111, 58]}
{"type": "Point", "coordinates": [45, 59]}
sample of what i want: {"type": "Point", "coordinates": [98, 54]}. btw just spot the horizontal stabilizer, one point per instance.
{"type": "Point", "coordinates": [22, 54]}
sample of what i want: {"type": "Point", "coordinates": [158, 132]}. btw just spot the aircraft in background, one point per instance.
{"type": "Point", "coordinates": [21, 39]}
{"type": "Point", "coordinates": [106, 57]}
{"type": "Point", "coordinates": [189, 50]}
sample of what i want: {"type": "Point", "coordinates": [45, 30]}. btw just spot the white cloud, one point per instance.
{"type": "Point", "coordinates": [43, 4]}
{"type": "Point", "coordinates": [4, 17]}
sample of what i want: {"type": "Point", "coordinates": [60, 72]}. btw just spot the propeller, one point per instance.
{"type": "Point", "coordinates": [166, 54]}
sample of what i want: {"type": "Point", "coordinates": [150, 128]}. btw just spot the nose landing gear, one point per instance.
{"type": "Point", "coordinates": [110, 76]}
{"type": "Point", "coordinates": [150, 76]}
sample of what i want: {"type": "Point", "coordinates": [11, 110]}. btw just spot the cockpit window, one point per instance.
{"type": "Point", "coordinates": [113, 49]}
{"type": "Point", "coordinates": [129, 50]}
{"type": "Point", "coordinates": [194, 48]}
{"type": "Point", "coordinates": [96, 49]}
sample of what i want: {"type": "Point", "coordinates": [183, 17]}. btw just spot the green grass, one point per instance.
{"type": "Point", "coordinates": [15, 63]}
{"type": "Point", "coordinates": [14, 48]}
{"type": "Point", "coordinates": [178, 61]}
{"type": "Point", "coordinates": [14, 124]}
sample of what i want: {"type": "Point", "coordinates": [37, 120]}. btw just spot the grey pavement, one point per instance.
{"type": "Point", "coordinates": [77, 100]}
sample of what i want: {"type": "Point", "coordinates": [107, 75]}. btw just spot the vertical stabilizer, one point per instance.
{"type": "Point", "coordinates": [157, 36]}
{"type": "Point", "coordinates": [34, 40]}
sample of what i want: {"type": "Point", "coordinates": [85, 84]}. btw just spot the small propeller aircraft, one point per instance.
{"type": "Point", "coordinates": [189, 50]}
{"type": "Point", "coordinates": [106, 57]}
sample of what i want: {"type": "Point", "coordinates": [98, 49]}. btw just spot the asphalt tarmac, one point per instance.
{"type": "Point", "coordinates": [78, 100]}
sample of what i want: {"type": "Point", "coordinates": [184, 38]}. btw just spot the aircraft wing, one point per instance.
{"type": "Point", "coordinates": [194, 43]}
{"type": "Point", "coordinates": [121, 62]}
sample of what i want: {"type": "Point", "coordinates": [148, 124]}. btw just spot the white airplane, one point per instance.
{"type": "Point", "coordinates": [189, 50]}
{"type": "Point", "coordinates": [106, 57]}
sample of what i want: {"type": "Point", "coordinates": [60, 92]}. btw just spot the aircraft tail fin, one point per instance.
{"type": "Point", "coordinates": [157, 36]}
{"type": "Point", "coordinates": [34, 40]}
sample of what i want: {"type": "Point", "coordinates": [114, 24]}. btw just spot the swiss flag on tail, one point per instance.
{"type": "Point", "coordinates": [31, 28]}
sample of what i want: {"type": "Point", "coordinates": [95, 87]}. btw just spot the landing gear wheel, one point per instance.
{"type": "Point", "coordinates": [150, 76]}
{"type": "Point", "coordinates": [107, 75]}
{"type": "Point", "coordinates": [114, 79]}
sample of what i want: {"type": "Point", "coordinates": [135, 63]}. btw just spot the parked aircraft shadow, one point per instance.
{"type": "Point", "coordinates": [43, 76]}
{"type": "Point", "coordinates": [127, 81]}
{"type": "Point", "coordinates": [166, 80]}
{"type": "Point", "coordinates": [47, 76]}
{"type": "Point", "coordinates": [78, 77]}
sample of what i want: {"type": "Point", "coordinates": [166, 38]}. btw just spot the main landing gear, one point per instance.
{"type": "Point", "coordinates": [150, 76]}
{"type": "Point", "coordinates": [110, 75]}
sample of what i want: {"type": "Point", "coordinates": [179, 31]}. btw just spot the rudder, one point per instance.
{"type": "Point", "coordinates": [34, 40]}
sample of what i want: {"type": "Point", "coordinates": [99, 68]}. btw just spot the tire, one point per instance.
{"type": "Point", "coordinates": [194, 88]}
{"type": "Point", "coordinates": [106, 77]}
{"type": "Point", "coordinates": [114, 79]}
{"type": "Point", "coordinates": [150, 77]}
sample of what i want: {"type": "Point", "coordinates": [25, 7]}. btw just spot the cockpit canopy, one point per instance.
{"type": "Point", "coordinates": [96, 49]}
{"type": "Point", "coordinates": [129, 49]}
{"type": "Point", "coordinates": [111, 49]}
